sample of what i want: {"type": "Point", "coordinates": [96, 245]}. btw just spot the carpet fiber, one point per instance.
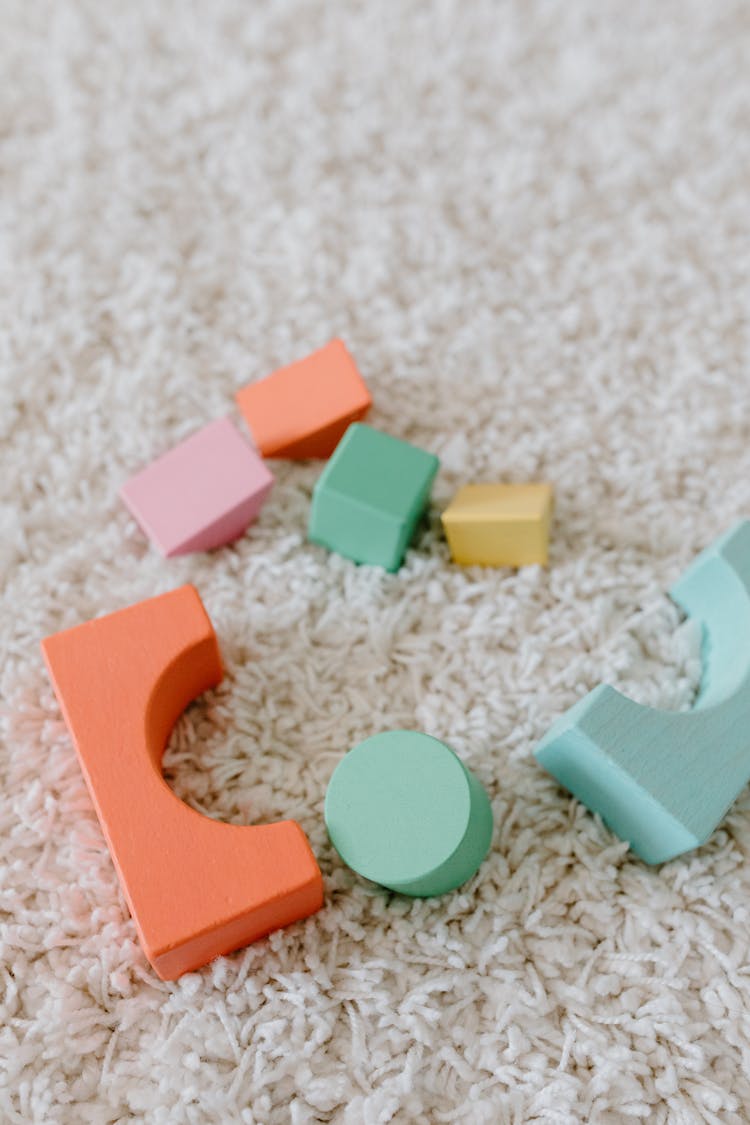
{"type": "Point", "coordinates": [530, 223]}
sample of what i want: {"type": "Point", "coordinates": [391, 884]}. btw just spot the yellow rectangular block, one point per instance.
{"type": "Point", "coordinates": [499, 524]}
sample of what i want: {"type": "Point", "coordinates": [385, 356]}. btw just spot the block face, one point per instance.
{"type": "Point", "coordinates": [369, 498]}
{"type": "Point", "coordinates": [303, 410]}
{"type": "Point", "coordinates": [202, 494]}
{"type": "Point", "coordinates": [499, 524]}
{"type": "Point", "coordinates": [356, 531]}
{"type": "Point", "coordinates": [379, 470]}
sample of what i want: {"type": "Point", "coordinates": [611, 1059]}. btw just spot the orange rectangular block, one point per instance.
{"type": "Point", "coordinates": [196, 887]}
{"type": "Point", "coordinates": [303, 410]}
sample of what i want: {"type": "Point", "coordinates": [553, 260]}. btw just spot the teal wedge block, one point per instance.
{"type": "Point", "coordinates": [663, 781]}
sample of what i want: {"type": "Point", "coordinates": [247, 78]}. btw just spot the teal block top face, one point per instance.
{"type": "Point", "coordinates": [380, 471]}
{"type": "Point", "coordinates": [664, 780]}
{"type": "Point", "coordinates": [403, 810]}
{"type": "Point", "coordinates": [369, 498]}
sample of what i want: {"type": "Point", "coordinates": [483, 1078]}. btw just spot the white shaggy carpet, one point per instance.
{"type": "Point", "coordinates": [530, 223]}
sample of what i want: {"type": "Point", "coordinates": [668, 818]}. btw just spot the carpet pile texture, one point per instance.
{"type": "Point", "coordinates": [530, 223]}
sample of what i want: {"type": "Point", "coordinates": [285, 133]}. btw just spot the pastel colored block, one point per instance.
{"type": "Point", "coordinates": [196, 888]}
{"type": "Point", "coordinates": [499, 524]}
{"type": "Point", "coordinates": [403, 810]}
{"type": "Point", "coordinates": [303, 410]}
{"type": "Point", "coordinates": [202, 494]}
{"type": "Point", "coordinates": [369, 498]}
{"type": "Point", "coordinates": [660, 780]}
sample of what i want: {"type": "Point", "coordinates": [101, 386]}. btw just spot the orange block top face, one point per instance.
{"type": "Point", "coordinates": [196, 887]}
{"type": "Point", "coordinates": [303, 410]}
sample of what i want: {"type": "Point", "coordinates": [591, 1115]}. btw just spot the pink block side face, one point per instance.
{"type": "Point", "coordinates": [202, 494]}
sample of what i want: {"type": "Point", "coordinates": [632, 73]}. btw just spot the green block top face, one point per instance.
{"type": "Point", "coordinates": [381, 472]}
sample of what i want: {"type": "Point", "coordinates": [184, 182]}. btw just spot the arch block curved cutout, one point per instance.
{"type": "Point", "coordinates": [660, 780]}
{"type": "Point", "coordinates": [196, 888]}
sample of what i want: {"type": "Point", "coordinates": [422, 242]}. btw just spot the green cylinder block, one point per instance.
{"type": "Point", "coordinates": [403, 810]}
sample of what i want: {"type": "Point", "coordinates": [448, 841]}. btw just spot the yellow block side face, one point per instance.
{"type": "Point", "coordinates": [499, 524]}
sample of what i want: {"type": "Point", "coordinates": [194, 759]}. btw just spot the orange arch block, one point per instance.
{"type": "Point", "coordinates": [196, 888]}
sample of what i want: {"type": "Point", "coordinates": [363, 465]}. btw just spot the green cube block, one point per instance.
{"type": "Point", "coordinates": [370, 496]}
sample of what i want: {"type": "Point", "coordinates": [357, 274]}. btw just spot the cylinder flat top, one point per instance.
{"type": "Point", "coordinates": [397, 806]}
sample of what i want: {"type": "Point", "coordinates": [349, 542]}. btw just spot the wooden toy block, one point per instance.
{"type": "Point", "coordinates": [303, 410]}
{"type": "Point", "coordinates": [403, 810]}
{"type": "Point", "coordinates": [499, 524]}
{"type": "Point", "coordinates": [196, 888]}
{"type": "Point", "coordinates": [369, 498]}
{"type": "Point", "coordinates": [202, 494]}
{"type": "Point", "coordinates": [663, 781]}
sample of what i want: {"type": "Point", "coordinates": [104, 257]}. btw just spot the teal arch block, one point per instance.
{"type": "Point", "coordinates": [663, 781]}
{"type": "Point", "coordinates": [403, 810]}
{"type": "Point", "coordinates": [370, 496]}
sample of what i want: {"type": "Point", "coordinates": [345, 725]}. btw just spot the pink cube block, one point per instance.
{"type": "Point", "coordinates": [202, 494]}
